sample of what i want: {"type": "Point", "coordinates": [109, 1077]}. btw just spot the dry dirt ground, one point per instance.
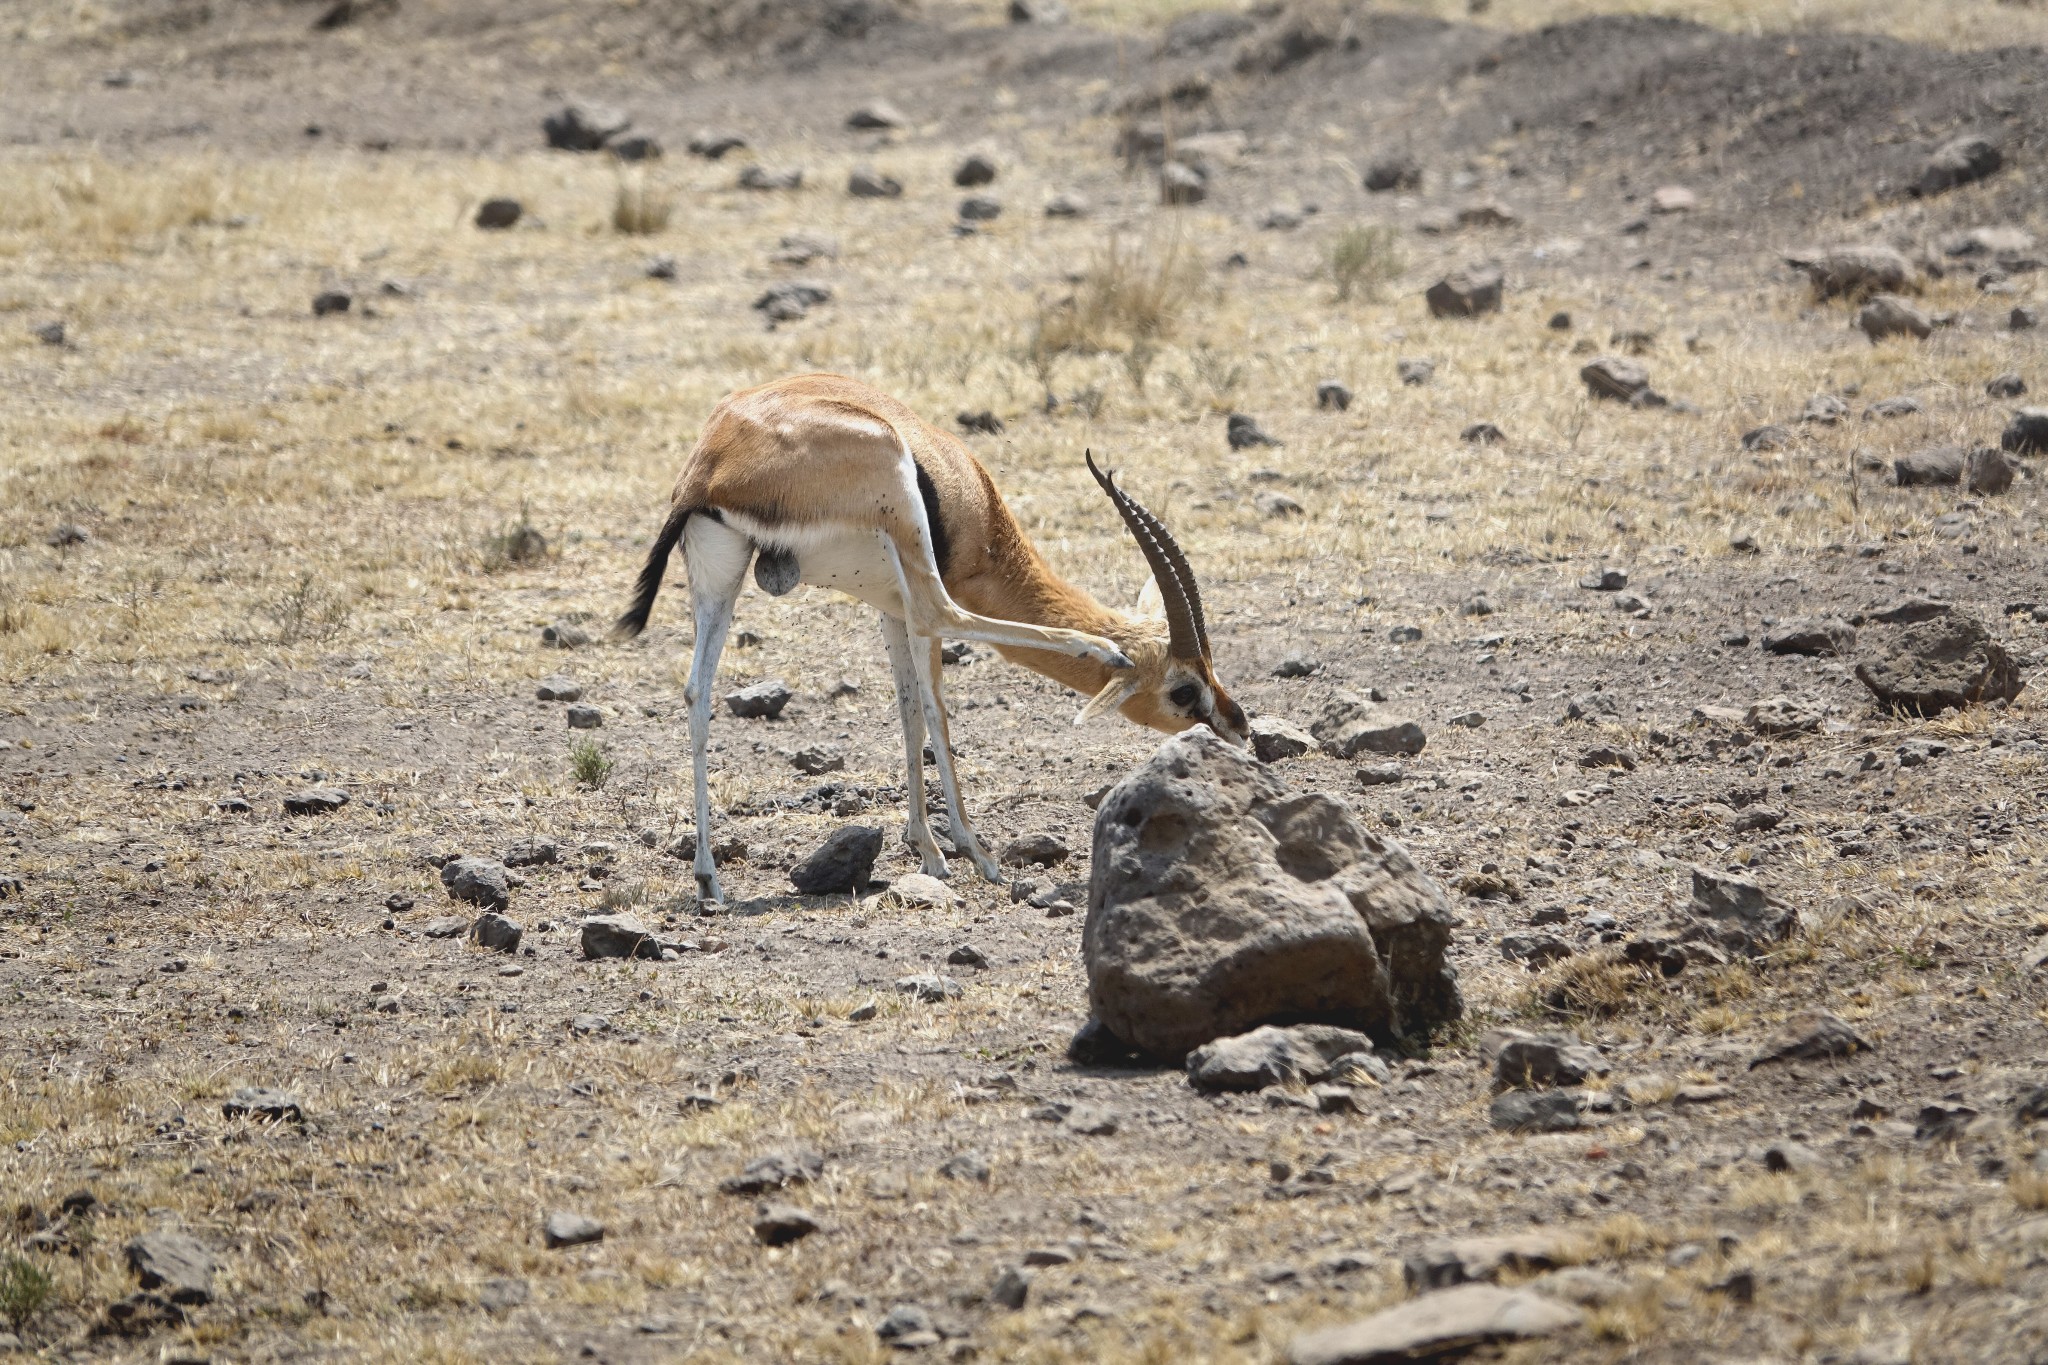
{"type": "Point", "coordinates": [300, 565]}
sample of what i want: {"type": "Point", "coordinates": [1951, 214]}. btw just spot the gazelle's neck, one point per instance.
{"type": "Point", "coordinates": [1021, 586]}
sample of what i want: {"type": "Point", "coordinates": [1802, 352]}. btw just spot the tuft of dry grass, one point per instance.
{"type": "Point", "coordinates": [1366, 260]}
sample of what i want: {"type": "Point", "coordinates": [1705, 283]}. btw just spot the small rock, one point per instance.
{"type": "Point", "coordinates": [1536, 950]}
{"type": "Point", "coordinates": [876, 114]}
{"type": "Point", "coordinates": [974, 170]}
{"type": "Point", "coordinates": [1447, 1322]}
{"type": "Point", "coordinates": [501, 1294]}
{"type": "Point", "coordinates": [1349, 726]}
{"type": "Point", "coordinates": [639, 147]}
{"type": "Point", "coordinates": [262, 1104]}
{"type": "Point", "coordinates": [845, 862]}
{"type": "Point", "coordinates": [907, 1327]}
{"type": "Point", "coordinates": [775, 1171]}
{"type": "Point", "coordinates": [1035, 850]}
{"type": "Point", "coordinates": [1038, 11]}
{"type": "Point", "coordinates": [1393, 173]}
{"type": "Point", "coordinates": [1066, 206]}
{"type": "Point", "coordinates": [1181, 184]}
{"type": "Point", "coordinates": [1416, 371]}
{"type": "Point", "coordinates": [1487, 215]}
{"type": "Point", "coordinates": [1242, 431]}
{"type": "Point", "coordinates": [771, 178]}
{"type": "Point", "coordinates": [1809, 1036]}
{"type": "Point", "coordinates": [1888, 315]}
{"type": "Point", "coordinates": [495, 215]}
{"type": "Point", "coordinates": [762, 701]}
{"type": "Point", "coordinates": [1478, 1260]}
{"type": "Point", "coordinates": [980, 208]}
{"type": "Point", "coordinates": [2027, 433]}
{"type": "Point", "coordinates": [1607, 578]}
{"type": "Point", "coordinates": [497, 933]}
{"type": "Point", "coordinates": [50, 333]}
{"type": "Point", "coordinates": [570, 1230]}
{"type": "Point", "coordinates": [1791, 1158]}
{"type": "Point", "coordinates": [1273, 1056]}
{"type": "Point", "coordinates": [584, 1025]}
{"type": "Point", "coordinates": [2006, 386]}
{"type": "Point", "coordinates": [1853, 270]}
{"type": "Point", "coordinates": [564, 635]}
{"type": "Point", "coordinates": [1012, 1287]}
{"type": "Point", "coordinates": [1532, 1061]}
{"type": "Point", "coordinates": [1466, 293]}
{"type": "Point", "coordinates": [1275, 740]}
{"type": "Point", "coordinates": [984, 422]}
{"type": "Point", "coordinates": [532, 853]}
{"type": "Point", "coordinates": [1901, 406]}
{"type": "Point", "coordinates": [1297, 666]}
{"type": "Point", "coordinates": [778, 1225]}
{"type": "Point", "coordinates": [1767, 438]}
{"type": "Point", "coordinates": [583, 128]}
{"type": "Point", "coordinates": [968, 1166]}
{"type": "Point", "coordinates": [1820, 637]}
{"type": "Point", "coordinates": [1482, 434]}
{"type": "Point", "coordinates": [817, 759]}
{"type": "Point", "coordinates": [446, 926]}
{"type": "Point", "coordinates": [1090, 1120]}
{"type": "Point", "coordinates": [1610, 376]}
{"type": "Point", "coordinates": [315, 801]}
{"type": "Point", "coordinates": [1277, 506]}
{"type": "Point", "coordinates": [1957, 162]}
{"type": "Point", "coordinates": [1537, 1111]}
{"type": "Point", "coordinates": [787, 302]}
{"type": "Point", "coordinates": [1333, 396]}
{"type": "Point", "coordinates": [1779, 716]}
{"type": "Point", "coordinates": [174, 1263]}
{"type": "Point", "coordinates": [864, 182]}
{"type": "Point", "coordinates": [617, 936]}
{"type": "Point", "coordinates": [331, 301]}
{"type": "Point", "coordinates": [1673, 199]}
{"type": "Point", "coordinates": [2023, 319]}
{"type": "Point", "coordinates": [714, 143]}
{"type": "Point", "coordinates": [928, 987]}
{"type": "Point", "coordinates": [66, 535]}
{"type": "Point", "coordinates": [479, 881]}
{"type": "Point", "coordinates": [585, 718]}
{"type": "Point", "coordinates": [555, 687]}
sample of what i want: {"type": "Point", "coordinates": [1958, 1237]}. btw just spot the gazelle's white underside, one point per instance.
{"type": "Point", "coordinates": [828, 554]}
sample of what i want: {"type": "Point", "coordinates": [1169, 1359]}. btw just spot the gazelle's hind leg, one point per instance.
{"type": "Point", "coordinates": [910, 714]}
{"type": "Point", "coordinates": [930, 686]}
{"type": "Point", "coordinates": [717, 557]}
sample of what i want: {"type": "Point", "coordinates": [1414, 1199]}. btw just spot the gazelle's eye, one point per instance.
{"type": "Point", "coordinates": [1184, 695]}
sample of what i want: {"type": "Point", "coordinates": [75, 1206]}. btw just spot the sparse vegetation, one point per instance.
{"type": "Point", "coordinates": [589, 764]}
{"type": "Point", "coordinates": [1365, 260]}
{"type": "Point", "coordinates": [25, 1288]}
{"type": "Point", "coordinates": [641, 209]}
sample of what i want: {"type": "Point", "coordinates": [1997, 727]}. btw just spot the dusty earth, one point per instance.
{"type": "Point", "coordinates": [249, 552]}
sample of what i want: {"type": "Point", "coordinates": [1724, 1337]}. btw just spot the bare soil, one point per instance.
{"type": "Point", "coordinates": [294, 574]}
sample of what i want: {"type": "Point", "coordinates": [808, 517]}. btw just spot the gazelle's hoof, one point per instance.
{"type": "Point", "coordinates": [708, 890]}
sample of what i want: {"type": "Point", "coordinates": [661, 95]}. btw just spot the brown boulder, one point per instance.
{"type": "Point", "coordinates": [1939, 661]}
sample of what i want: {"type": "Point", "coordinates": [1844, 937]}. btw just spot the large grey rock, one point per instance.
{"type": "Point", "coordinates": [1350, 725]}
{"type": "Point", "coordinates": [1888, 315]}
{"type": "Point", "coordinates": [1300, 1055]}
{"type": "Point", "coordinates": [618, 936]}
{"type": "Point", "coordinates": [1466, 293]}
{"type": "Point", "coordinates": [1945, 661]}
{"type": "Point", "coordinates": [1746, 918]}
{"type": "Point", "coordinates": [844, 862]}
{"type": "Point", "coordinates": [1218, 901]}
{"type": "Point", "coordinates": [497, 933]}
{"type": "Point", "coordinates": [174, 1263]}
{"type": "Point", "coordinates": [1275, 740]}
{"type": "Point", "coordinates": [1979, 470]}
{"type": "Point", "coordinates": [1957, 162]}
{"type": "Point", "coordinates": [1853, 270]}
{"type": "Point", "coordinates": [1448, 1322]}
{"type": "Point", "coordinates": [1537, 1111]}
{"type": "Point", "coordinates": [478, 881]}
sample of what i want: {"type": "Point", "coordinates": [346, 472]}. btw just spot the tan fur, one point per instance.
{"type": "Point", "coordinates": [816, 448]}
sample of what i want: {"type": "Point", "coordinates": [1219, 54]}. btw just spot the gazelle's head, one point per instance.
{"type": "Point", "coordinates": [1170, 686]}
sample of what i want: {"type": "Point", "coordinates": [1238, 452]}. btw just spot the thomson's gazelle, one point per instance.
{"type": "Point", "coordinates": [820, 479]}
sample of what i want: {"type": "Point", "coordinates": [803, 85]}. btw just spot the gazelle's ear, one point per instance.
{"type": "Point", "coordinates": [1150, 603]}
{"type": "Point", "coordinates": [1118, 692]}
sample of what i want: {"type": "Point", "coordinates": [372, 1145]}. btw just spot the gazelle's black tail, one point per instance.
{"type": "Point", "coordinates": [634, 619]}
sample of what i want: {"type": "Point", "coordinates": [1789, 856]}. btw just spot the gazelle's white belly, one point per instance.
{"type": "Point", "coordinates": [831, 555]}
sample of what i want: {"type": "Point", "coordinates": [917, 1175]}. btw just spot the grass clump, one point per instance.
{"type": "Point", "coordinates": [25, 1288]}
{"type": "Point", "coordinates": [640, 211]}
{"type": "Point", "coordinates": [589, 764]}
{"type": "Point", "coordinates": [1132, 299]}
{"type": "Point", "coordinates": [1365, 260]}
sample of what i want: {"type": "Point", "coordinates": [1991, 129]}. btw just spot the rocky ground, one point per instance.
{"type": "Point", "coordinates": [317, 786]}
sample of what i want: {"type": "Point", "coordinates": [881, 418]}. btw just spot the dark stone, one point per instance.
{"type": "Point", "coordinates": [1482, 434]}
{"type": "Point", "coordinates": [1466, 293]}
{"type": "Point", "coordinates": [1957, 162]}
{"type": "Point", "coordinates": [583, 128]}
{"type": "Point", "coordinates": [1611, 376]}
{"type": "Point", "coordinates": [980, 208]}
{"type": "Point", "coordinates": [1822, 637]}
{"type": "Point", "coordinates": [315, 801]}
{"type": "Point", "coordinates": [2027, 432]}
{"type": "Point", "coordinates": [1809, 1036]}
{"type": "Point", "coordinates": [1242, 431]}
{"type": "Point", "coordinates": [495, 215]}
{"type": "Point", "coordinates": [1947, 661]}
{"type": "Point", "coordinates": [762, 701]}
{"type": "Point", "coordinates": [585, 718]}
{"type": "Point", "coordinates": [974, 170]}
{"type": "Point", "coordinates": [173, 1263]}
{"type": "Point", "coordinates": [497, 933]}
{"type": "Point", "coordinates": [1393, 173]}
{"type": "Point", "coordinates": [479, 881]}
{"type": "Point", "coordinates": [714, 143]}
{"type": "Point", "coordinates": [331, 301]}
{"type": "Point", "coordinates": [605, 936]}
{"type": "Point", "coordinates": [778, 1225]}
{"type": "Point", "coordinates": [844, 862]}
{"type": "Point", "coordinates": [864, 182]}
{"type": "Point", "coordinates": [1542, 1061]}
{"type": "Point", "coordinates": [775, 1171]}
{"type": "Point", "coordinates": [1035, 850]}
{"type": "Point", "coordinates": [1332, 395]}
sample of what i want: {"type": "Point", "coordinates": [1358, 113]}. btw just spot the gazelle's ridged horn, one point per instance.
{"type": "Point", "coordinates": [1187, 634]}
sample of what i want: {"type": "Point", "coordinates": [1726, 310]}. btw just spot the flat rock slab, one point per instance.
{"type": "Point", "coordinates": [1435, 1325]}
{"type": "Point", "coordinates": [570, 1230]}
{"type": "Point", "coordinates": [174, 1263]}
{"type": "Point", "coordinates": [315, 801]}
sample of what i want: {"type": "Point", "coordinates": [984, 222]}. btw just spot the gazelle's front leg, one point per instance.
{"type": "Point", "coordinates": [910, 715]}
{"type": "Point", "coordinates": [930, 687]}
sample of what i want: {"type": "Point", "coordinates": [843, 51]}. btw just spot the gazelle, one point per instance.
{"type": "Point", "coordinates": [820, 479]}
